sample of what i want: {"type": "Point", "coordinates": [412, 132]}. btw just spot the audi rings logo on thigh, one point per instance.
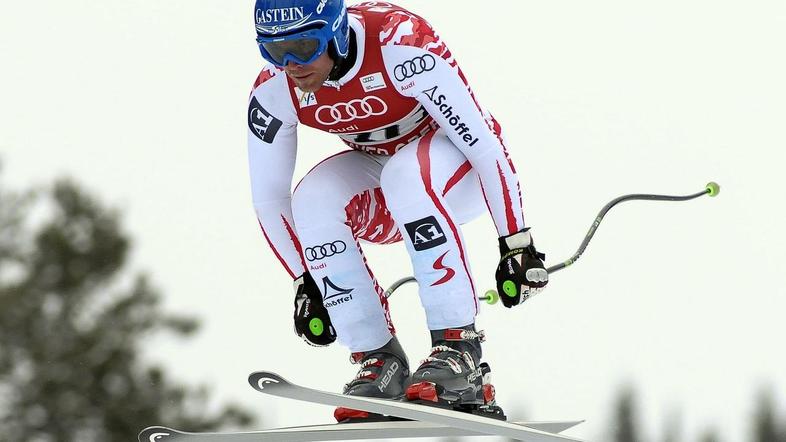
{"type": "Point", "coordinates": [325, 250]}
{"type": "Point", "coordinates": [413, 67]}
{"type": "Point", "coordinates": [353, 110]}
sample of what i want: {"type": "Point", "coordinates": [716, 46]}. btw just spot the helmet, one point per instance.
{"type": "Point", "coordinates": [300, 30]}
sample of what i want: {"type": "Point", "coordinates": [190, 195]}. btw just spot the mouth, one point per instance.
{"type": "Point", "coordinates": [300, 76]}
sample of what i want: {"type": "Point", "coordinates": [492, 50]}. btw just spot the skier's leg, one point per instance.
{"type": "Point", "coordinates": [321, 205]}
{"type": "Point", "coordinates": [336, 204]}
{"type": "Point", "coordinates": [430, 189]}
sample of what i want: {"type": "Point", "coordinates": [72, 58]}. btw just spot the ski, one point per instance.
{"type": "Point", "coordinates": [353, 431]}
{"type": "Point", "coordinates": [273, 384]}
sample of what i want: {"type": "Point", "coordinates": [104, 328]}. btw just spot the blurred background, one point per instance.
{"type": "Point", "coordinates": [136, 288]}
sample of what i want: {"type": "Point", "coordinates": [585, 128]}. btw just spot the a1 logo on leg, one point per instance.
{"type": "Point", "coordinates": [425, 233]}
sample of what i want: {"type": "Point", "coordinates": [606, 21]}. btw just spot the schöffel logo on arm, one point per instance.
{"type": "Point", "coordinates": [264, 125]}
{"type": "Point", "coordinates": [454, 119]}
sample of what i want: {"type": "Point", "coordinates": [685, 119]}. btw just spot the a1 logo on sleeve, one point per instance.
{"type": "Point", "coordinates": [264, 125]}
{"type": "Point", "coordinates": [425, 233]}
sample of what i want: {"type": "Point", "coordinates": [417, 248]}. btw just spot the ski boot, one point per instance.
{"type": "Point", "coordinates": [383, 374]}
{"type": "Point", "coordinates": [453, 377]}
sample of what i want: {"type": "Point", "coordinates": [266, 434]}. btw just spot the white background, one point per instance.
{"type": "Point", "coordinates": [144, 102]}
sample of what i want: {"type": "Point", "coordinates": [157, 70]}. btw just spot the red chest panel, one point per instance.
{"type": "Point", "coordinates": [367, 113]}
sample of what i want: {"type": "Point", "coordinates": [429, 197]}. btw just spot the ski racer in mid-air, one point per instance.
{"type": "Point", "coordinates": [424, 158]}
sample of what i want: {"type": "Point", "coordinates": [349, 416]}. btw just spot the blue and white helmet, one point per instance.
{"type": "Point", "coordinates": [299, 31]}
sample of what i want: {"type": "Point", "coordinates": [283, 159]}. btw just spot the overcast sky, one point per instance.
{"type": "Point", "coordinates": [144, 103]}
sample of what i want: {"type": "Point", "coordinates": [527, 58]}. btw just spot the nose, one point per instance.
{"type": "Point", "coordinates": [292, 65]}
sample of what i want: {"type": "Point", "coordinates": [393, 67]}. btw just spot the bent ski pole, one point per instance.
{"type": "Point", "coordinates": [491, 296]}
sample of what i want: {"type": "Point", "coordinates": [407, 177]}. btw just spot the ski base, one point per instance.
{"type": "Point", "coordinates": [336, 432]}
{"type": "Point", "coordinates": [273, 384]}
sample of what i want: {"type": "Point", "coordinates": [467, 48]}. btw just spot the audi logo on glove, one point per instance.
{"type": "Point", "coordinates": [353, 110]}
{"type": "Point", "coordinates": [413, 67]}
{"type": "Point", "coordinates": [325, 250]}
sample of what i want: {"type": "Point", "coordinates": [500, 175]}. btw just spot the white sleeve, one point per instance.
{"type": "Point", "coordinates": [433, 78]}
{"type": "Point", "coordinates": [272, 148]}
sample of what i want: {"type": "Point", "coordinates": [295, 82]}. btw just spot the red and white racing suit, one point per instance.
{"type": "Point", "coordinates": [424, 159]}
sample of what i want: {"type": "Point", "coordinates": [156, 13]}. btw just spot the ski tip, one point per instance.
{"type": "Point", "coordinates": [555, 427]}
{"type": "Point", "coordinates": [265, 379]}
{"type": "Point", "coordinates": [571, 424]}
{"type": "Point", "coordinates": [158, 434]}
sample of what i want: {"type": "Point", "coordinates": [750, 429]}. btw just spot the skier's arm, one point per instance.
{"type": "Point", "coordinates": [272, 147]}
{"type": "Point", "coordinates": [421, 66]}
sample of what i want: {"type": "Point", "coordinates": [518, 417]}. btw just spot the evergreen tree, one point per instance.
{"type": "Point", "coordinates": [69, 338]}
{"type": "Point", "coordinates": [765, 422]}
{"type": "Point", "coordinates": [625, 423]}
{"type": "Point", "coordinates": [710, 435]}
{"type": "Point", "coordinates": [673, 428]}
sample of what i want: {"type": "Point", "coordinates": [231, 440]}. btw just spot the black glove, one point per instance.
{"type": "Point", "coordinates": [312, 322]}
{"type": "Point", "coordinates": [520, 273]}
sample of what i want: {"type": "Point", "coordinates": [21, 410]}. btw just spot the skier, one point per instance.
{"type": "Point", "coordinates": [424, 158]}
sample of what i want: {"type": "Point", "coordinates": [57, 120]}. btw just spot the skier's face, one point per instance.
{"type": "Point", "coordinates": [309, 77]}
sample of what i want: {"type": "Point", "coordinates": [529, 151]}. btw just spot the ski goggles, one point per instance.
{"type": "Point", "coordinates": [303, 49]}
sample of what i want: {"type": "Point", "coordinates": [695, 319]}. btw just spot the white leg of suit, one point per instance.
{"type": "Point", "coordinates": [355, 196]}
{"type": "Point", "coordinates": [418, 183]}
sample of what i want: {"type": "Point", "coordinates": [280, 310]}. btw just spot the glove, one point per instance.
{"type": "Point", "coordinates": [520, 273]}
{"type": "Point", "coordinates": [312, 322]}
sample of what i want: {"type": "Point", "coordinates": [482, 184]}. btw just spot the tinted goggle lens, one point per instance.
{"type": "Point", "coordinates": [303, 49]}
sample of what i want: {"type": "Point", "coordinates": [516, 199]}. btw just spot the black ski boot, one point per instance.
{"type": "Point", "coordinates": [383, 374]}
{"type": "Point", "coordinates": [453, 376]}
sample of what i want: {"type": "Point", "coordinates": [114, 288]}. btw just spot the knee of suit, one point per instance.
{"type": "Point", "coordinates": [401, 180]}
{"type": "Point", "coordinates": [319, 200]}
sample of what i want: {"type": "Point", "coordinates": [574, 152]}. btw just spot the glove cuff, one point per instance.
{"type": "Point", "coordinates": [299, 281]}
{"type": "Point", "coordinates": [305, 284]}
{"type": "Point", "coordinates": [519, 240]}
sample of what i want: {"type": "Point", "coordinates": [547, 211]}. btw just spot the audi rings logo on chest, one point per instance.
{"type": "Point", "coordinates": [415, 66]}
{"type": "Point", "coordinates": [358, 109]}
{"type": "Point", "coordinates": [325, 250]}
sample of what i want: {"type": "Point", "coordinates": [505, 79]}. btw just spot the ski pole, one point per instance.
{"type": "Point", "coordinates": [491, 296]}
